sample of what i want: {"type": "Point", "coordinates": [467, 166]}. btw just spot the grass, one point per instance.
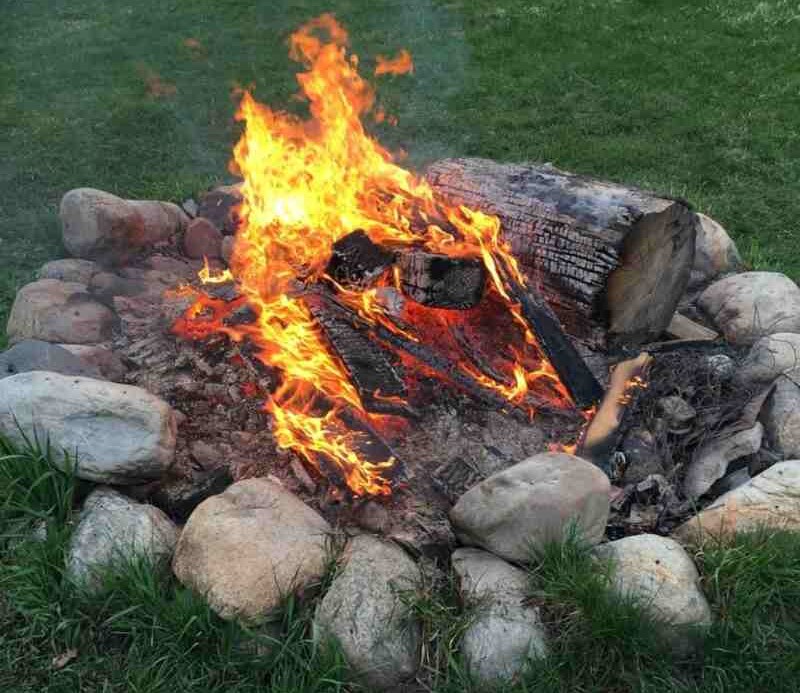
{"type": "Point", "coordinates": [146, 633]}
{"type": "Point", "coordinates": [698, 99]}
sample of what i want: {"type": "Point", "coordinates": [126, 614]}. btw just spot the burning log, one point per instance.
{"type": "Point", "coordinates": [611, 261]}
{"type": "Point", "coordinates": [448, 371]}
{"type": "Point", "coordinates": [563, 356]}
{"type": "Point", "coordinates": [375, 373]}
{"type": "Point", "coordinates": [441, 281]}
{"type": "Point", "coordinates": [357, 261]}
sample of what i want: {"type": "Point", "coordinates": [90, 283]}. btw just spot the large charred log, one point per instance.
{"type": "Point", "coordinates": [611, 261]}
{"type": "Point", "coordinates": [441, 281]}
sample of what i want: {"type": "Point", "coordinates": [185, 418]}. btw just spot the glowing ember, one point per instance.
{"type": "Point", "coordinates": [308, 183]}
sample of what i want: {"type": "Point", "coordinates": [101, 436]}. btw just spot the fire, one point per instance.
{"type": "Point", "coordinates": [308, 183]}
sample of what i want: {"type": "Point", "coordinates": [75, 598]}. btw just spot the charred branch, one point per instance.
{"type": "Point", "coordinates": [357, 261]}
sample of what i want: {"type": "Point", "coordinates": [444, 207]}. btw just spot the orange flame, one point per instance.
{"type": "Point", "coordinates": [308, 183]}
{"type": "Point", "coordinates": [401, 64]}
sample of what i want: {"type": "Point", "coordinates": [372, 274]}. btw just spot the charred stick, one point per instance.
{"type": "Point", "coordinates": [559, 351]}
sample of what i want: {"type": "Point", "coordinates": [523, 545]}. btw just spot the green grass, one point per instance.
{"type": "Point", "coordinates": [145, 633]}
{"type": "Point", "coordinates": [698, 99]}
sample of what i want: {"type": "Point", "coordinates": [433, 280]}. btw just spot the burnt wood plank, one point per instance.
{"type": "Point", "coordinates": [441, 281]}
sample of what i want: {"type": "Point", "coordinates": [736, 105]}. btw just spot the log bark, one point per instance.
{"type": "Point", "coordinates": [611, 261]}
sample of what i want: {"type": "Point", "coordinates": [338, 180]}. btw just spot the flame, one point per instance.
{"type": "Point", "coordinates": [308, 183]}
{"type": "Point", "coordinates": [401, 64]}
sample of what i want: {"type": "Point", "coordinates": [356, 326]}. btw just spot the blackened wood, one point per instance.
{"type": "Point", "coordinates": [373, 371]}
{"type": "Point", "coordinates": [448, 371]}
{"type": "Point", "coordinates": [572, 371]}
{"type": "Point", "coordinates": [441, 281]}
{"type": "Point", "coordinates": [612, 261]}
{"type": "Point", "coordinates": [357, 261]}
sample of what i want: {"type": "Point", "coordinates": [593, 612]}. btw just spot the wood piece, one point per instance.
{"type": "Point", "coordinates": [681, 327]}
{"type": "Point", "coordinates": [572, 371]}
{"type": "Point", "coordinates": [373, 371]}
{"type": "Point", "coordinates": [599, 439]}
{"type": "Point", "coordinates": [611, 261]}
{"type": "Point", "coordinates": [357, 261]}
{"type": "Point", "coordinates": [448, 371]}
{"type": "Point", "coordinates": [441, 281]}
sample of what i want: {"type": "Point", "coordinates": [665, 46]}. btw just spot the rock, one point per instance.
{"type": "Point", "coordinates": [103, 359]}
{"type": "Point", "coordinates": [714, 254]}
{"type": "Point", "coordinates": [178, 498]}
{"type": "Point", "coordinates": [505, 634]}
{"type": "Point", "coordinates": [771, 499]}
{"type": "Point", "coordinates": [114, 530]}
{"type": "Point", "coordinates": [69, 270]}
{"type": "Point", "coordinates": [781, 417]}
{"type": "Point", "coordinates": [202, 239]}
{"type": "Point", "coordinates": [374, 517]}
{"type": "Point", "coordinates": [730, 481]}
{"type": "Point", "coordinates": [56, 311]}
{"type": "Point", "coordinates": [97, 225]}
{"type": "Point", "coordinates": [748, 306]}
{"type": "Point", "coordinates": [34, 355]}
{"type": "Point", "coordinates": [364, 611]}
{"type": "Point", "coordinates": [710, 461]}
{"type": "Point", "coordinates": [659, 574]}
{"type": "Point", "coordinates": [681, 327]}
{"type": "Point", "coordinates": [531, 503]}
{"type": "Point", "coordinates": [106, 285]}
{"type": "Point", "coordinates": [721, 367]}
{"type": "Point", "coordinates": [226, 249]}
{"type": "Point", "coordinates": [249, 547]}
{"type": "Point", "coordinates": [642, 456]}
{"type": "Point", "coordinates": [676, 411]}
{"type": "Point", "coordinates": [220, 205]}
{"type": "Point", "coordinates": [771, 356]}
{"type": "Point", "coordinates": [121, 434]}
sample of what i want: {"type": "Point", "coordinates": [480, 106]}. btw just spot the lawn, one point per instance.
{"type": "Point", "coordinates": [699, 99]}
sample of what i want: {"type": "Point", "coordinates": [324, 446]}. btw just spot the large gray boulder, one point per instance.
{"type": "Point", "coordinates": [113, 531]}
{"type": "Point", "coordinates": [121, 434]}
{"type": "Point", "coordinates": [248, 548]}
{"type": "Point", "coordinates": [364, 611]}
{"type": "Point", "coordinates": [771, 356]}
{"type": "Point", "coordinates": [97, 225]}
{"type": "Point", "coordinates": [505, 633]}
{"type": "Point", "coordinates": [35, 355]}
{"type": "Point", "coordinates": [715, 252]}
{"type": "Point", "coordinates": [523, 507]}
{"type": "Point", "coordinates": [710, 461]}
{"type": "Point", "coordinates": [660, 576]}
{"type": "Point", "coordinates": [781, 417]}
{"type": "Point", "coordinates": [56, 311]}
{"type": "Point", "coordinates": [771, 499]}
{"type": "Point", "coordinates": [748, 306]}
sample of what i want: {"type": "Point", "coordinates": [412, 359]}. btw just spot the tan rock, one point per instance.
{"type": "Point", "coordinates": [365, 612]}
{"type": "Point", "coordinates": [659, 574]}
{"type": "Point", "coordinates": [748, 306]}
{"type": "Point", "coordinates": [715, 252]}
{"type": "Point", "coordinates": [771, 499]}
{"type": "Point", "coordinates": [531, 503]}
{"type": "Point", "coordinates": [69, 270]}
{"type": "Point", "coordinates": [771, 356]}
{"type": "Point", "coordinates": [202, 239]}
{"type": "Point", "coordinates": [56, 311]}
{"type": "Point", "coordinates": [781, 416]}
{"type": "Point", "coordinates": [103, 358]}
{"type": "Point", "coordinates": [251, 546]}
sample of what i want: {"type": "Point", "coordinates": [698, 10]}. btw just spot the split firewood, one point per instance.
{"type": "Point", "coordinates": [681, 327]}
{"type": "Point", "coordinates": [441, 281]}
{"type": "Point", "coordinates": [600, 438]}
{"type": "Point", "coordinates": [611, 261]}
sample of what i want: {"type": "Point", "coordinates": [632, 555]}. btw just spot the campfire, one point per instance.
{"type": "Point", "coordinates": [361, 284]}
